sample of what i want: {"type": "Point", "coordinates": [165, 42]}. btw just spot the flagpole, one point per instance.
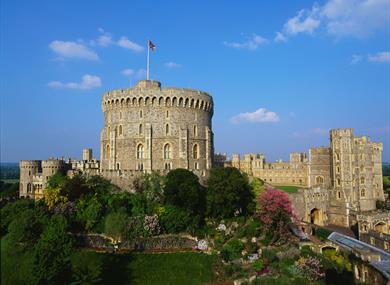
{"type": "Point", "coordinates": [147, 67]}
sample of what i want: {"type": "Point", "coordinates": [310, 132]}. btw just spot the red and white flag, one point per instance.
{"type": "Point", "coordinates": [151, 45]}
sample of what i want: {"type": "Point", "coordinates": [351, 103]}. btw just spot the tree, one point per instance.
{"type": "Point", "coordinates": [176, 220]}
{"type": "Point", "coordinates": [116, 225]}
{"type": "Point", "coordinates": [275, 213]}
{"type": "Point", "coordinates": [182, 189]}
{"type": "Point", "coordinates": [52, 254]}
{"type": "Point", "coordinates": [89, 212]}
{"type": "Point", "coordinates": [12, 210]}
{"type": "Point", "coordinates": [228, 193]}
{"type": "Point", "coordinates": [25, 229]}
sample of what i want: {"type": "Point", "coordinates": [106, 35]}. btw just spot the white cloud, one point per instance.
{"type": "Point", "coordinates": [137, 74]}
{"type": "Point", "coordinates": [172, 64]}
{"type": "Point", "coordinates": [356, 18]}
{"type": "Point", "coordinates": [251, 44]}
{"type": "Point", "coordinates": [306, 21]}
{"type": "Point", "coordinates": [341, 18]}
{"type": "Point", "coordinates": [126, 43]}
{"type": "Point", "coordinates": [380, 57]}
{"type": "Point", "coordinates": [261, 115]}
{"type": "Point", "coordinates": [67, 50]}
{"type": "Point", "coordinates": [280, 38]}
{"type": "Point", "coordinates": [87, 82]}
{"type": "Point", "coordinates": [128, 72]}
{"type": "Point", "coordinates": [356, 58]}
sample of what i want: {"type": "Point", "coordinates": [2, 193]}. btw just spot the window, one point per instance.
{"type": "Point", "coordinates": [386, 245]}
{"type": "Point", "coordinates": [118, 166]}
{"type": "Point", "coordinates": [140, 151]}
{"type": "Point", "coordinates": [338, 169]}
{"type": "Point", "coordinates": [319, 180]}
{"type": "Point", "coordinates": [167, 114]}
{"type": "Point", "coordinates": [28, 188]}
{"type": "Point", "coordinates": [167, 166]}
{"type": "Point", "coordinates": [167, 151]}
{"type": "Point", "coordinates": [337, 156]}
{"type": "Point", "coordinates": [361, 180]}
{"type": "Point", "coordinates": [140, 129]}
{"type": "Point", "coordinates": [108, 151]}
{"type": "Point", "coordinates": [363, 193]}
{"type": "Point", "coordinates": [140, 166]}
{"type": "Point", "coordinates": [338, 195]}
{"type": "Point", "coordinates": [196, 166]}
{"type": "Point", "coordinates": [140, 113]}
{"type": "Point", "coordinates": [195, 131]}
{"type": "Point", "coordinates": [195, 152]}
{"type": "Point", "coordinates": [338, 182]}
{"type": "Point", "coordinates": [167, 129]}
{"type": "Point", "coordinates": [120, 130]}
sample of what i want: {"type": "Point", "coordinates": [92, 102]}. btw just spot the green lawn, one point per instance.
{"type": "Point", "coordinates": [146, 268]}
{"type": "Point", "coordinates": [288, 189]}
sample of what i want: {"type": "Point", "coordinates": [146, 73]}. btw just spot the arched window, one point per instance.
{"type": "Point", "coordinates": [338, 182]}
{"type": "Point", "coordinates": [107, 151]}
{"type": "Point", "coordinates": [140, 129]}
{"type": "Point", "coordinates": [363, 193]}
{"type": "Point", "coordinates": [167, 129]}
{"type": "Point", "coordinates": [195, 152]}
{"type": "Point", "coordinates": [120, 129]}
{"type": "Point", "coordinates": [167, 166]}
{"type": "Point", "coordinates": [195, 131]}
{"type": "Point", "coordinates": [28, 188]}
{"type": "Point", "coordinates": [167, 151]}
{"type": "Point", "coordinates": [140, 151]}
{"type": "Point", "coordinates": [319, 180]}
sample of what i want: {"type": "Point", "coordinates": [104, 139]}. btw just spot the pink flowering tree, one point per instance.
{"type": "Point", "coordinates": [275, 213]}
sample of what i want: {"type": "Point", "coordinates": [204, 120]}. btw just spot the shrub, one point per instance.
{"type": "Point", "coordinates": [322, 233]}
{"type": "Point", "coordinates": [311, 268]}
{"type": "Point", "coordinates": [232, 250]}
{"type": "Point", "coordinates": [276, 213]}
{"type": "Point", "coordinates": [258, 265]}
{"type": "Point", "coordinates": [228, 193]}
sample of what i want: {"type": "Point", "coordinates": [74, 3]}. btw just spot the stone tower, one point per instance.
{"type": "Point", "coordinates": [147, 128]}
{"type": "Point", "coordinates": [28, 168]}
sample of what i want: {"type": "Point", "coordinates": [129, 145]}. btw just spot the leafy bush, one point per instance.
{"type": "Point", "coordinates": [311, 268]}
{"type": "Point", "coordinates": [258, 265]}
{"type": "Point", "coordinates": [228, 193]}
{"type": "Point", "coordinates": [232, 250]}
{"type": "Point", "coordinates": [175, 220]}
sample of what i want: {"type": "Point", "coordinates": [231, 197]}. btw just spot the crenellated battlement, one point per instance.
{"type": "Point", "coordinates": [149, 93]}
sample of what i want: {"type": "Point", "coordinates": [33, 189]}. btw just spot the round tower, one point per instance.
{"type": "Point", "coordinates": [51, 167]}
{"type": "Point", "coordinates": [28, 168]}
{"type": "Point", "coordinates": [148, 128]}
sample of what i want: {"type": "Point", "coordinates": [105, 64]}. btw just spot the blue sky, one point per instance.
{"type": "Point", "coordinates": [282, 73]}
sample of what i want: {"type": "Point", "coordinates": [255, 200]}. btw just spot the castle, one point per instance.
{"type": "Point", "coordinates": [149, 128]}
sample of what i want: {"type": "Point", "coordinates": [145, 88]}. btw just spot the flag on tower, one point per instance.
{"type": "Point", "coordinates": [151, 45]}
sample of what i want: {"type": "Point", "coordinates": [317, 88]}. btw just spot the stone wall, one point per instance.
{"type": "Point", "coordinates": [147, 128]}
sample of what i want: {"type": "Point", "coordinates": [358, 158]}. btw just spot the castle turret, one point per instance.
{"type": "Point", "coordinates": [28, 168]}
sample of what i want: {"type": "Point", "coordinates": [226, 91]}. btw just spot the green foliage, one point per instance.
{"type": "Point", "coordinates": [12, 210]}
{"type": "Point", "coordinates": [9, 190]}
{"type": "Point", "coordinates": [258, 265]}
{"type": "Point", "coordinates": [232, 250]}
{"type": "Point", "coordinates": [87, 268]}
{"type": "Point", "coordinates": [288, 189]}
{"type": "Point", "coordinates": [175, 220]}
{"type": "Point", "coordinates": [57, 180]}
{"type": "Point", "coordinates": [228, 193]}
{"type": "Point", "coordinates": [52, 254]}
{"type": "Point", "coordinates": [340, 260]}
{"type": "Point", "coordinates": [89, 211]}
{"type": "Point", "coordinates": [16, 263]}
{"type": "Point", "coordinates": [152, 186]}
{"type": "Point", "coordinates": [25, 229]}
{"type": "Point", "coordinates": [182, 190]}
{"type": "Point", "coordinates": [116, 225]}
